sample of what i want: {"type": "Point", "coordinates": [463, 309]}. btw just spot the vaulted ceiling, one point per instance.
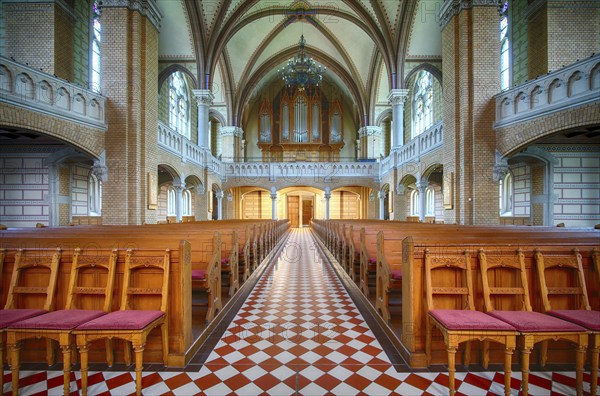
{"type": "Point", "coordinates": [363, 43]}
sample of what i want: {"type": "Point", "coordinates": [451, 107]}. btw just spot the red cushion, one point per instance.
{"type": "Point", "coordinates": [397, 274]}
{"type": "Point", "coordinates": [225, 261]}
{"type": "Point", "coordinates": [122, 320]}
{"type": "Point", "coordinates": [65, 319]}
{"type": "Point", "coordinates": [586, 318]}
{"type": "Point", "coordinates": [461, 319]}
{"type": "Point", "coordinates": [10, 316]}
{"type": "Point", "coordinates": [198, 274]}
{"type": "Point", "coordinates": [535, 322]}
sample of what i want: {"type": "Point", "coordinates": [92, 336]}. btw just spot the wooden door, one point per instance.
{"type": "Point", "coordinates": [307, 212]}
{"type": "Point", "coordinates": [293, 210]}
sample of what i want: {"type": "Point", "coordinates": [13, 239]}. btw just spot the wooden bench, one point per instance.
{"type": "Point", "coordinates": [385, 238]}
{"type": "Point", "coordinates": [180, 311]}
{"type": "Point", "coordinates": [414, 248]}
{"type": "Point", "coordinates": [201, 254]}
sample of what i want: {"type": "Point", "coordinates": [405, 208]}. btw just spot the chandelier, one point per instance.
{"type": "Point", "coordinates": [302, 70]}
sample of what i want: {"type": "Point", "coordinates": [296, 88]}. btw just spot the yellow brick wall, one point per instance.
{"type": "Point", "coordinates": [537, 50]}
{"type": "Point", "coordinates": [130, 80]}
{"type": "Point", "coordinates": [37, 46]}
{"type": "Point", "coordinates": [470, 47]}
{"type": "Point", "coordinates": [537, 188]}
{"type": "Point", "coordinates": [63, 44]}
{"type": "Point", "coordinates": [450, 108]}
{"type": "Point", "coordinates": [573, 31]}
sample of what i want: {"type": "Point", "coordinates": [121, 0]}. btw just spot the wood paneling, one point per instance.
{"type": "Point", "coordinates": [294, 210]}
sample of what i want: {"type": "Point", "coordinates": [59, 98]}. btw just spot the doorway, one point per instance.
{"type": "Point", "coordinates": [307, 212]}
{"type": "Point", "coordinates": [293, 203]}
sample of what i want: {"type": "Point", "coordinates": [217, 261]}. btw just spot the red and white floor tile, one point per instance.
{"type": "Point", "coordinates": [297, 333]}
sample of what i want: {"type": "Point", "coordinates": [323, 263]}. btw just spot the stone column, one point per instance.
{"type": "Point", "coordinates": [327, 197]}
{"type": "Point", "coordinates": [205, 99]}
{"type": "Point", "coordinates": [219, 196]}
{"type": "Point", "coordinates": [274, 206]}
{"type": "Point", "coordinates": [421, 187]}
{"type": "Point", "coordinates": [381, 196]}
{"type": "Point", "coordinates": [232, 147]}
{"type": "Point", "coordinates": [179, 187]}
{"type": "Point", "coordinates": [397, 97]}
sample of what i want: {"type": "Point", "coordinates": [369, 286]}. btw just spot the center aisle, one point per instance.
{"type": "Point", "coordinates": [299, 331]}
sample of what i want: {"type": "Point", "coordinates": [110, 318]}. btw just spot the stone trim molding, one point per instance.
{"type": "Point", "coordinates": [61, 3]}
{"type": "Point", "coordinates": [232, 131]}
{"type": "Point", "coordinates": [369, 131]}
{"type": "Point", "coordinates": [147, 8]}
{"type": "Point", "coordinates": [454, 7]}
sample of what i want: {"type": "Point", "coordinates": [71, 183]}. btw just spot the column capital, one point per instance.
{"type": "Point", "coordinates": [147, 8]}
{"type": "Point", "coordinates": [381, 194]}
{"type": "Point", "coordinates": [327, 195]}
{"type": "Point", "coordinates": [274, 196]}
{"type": "Point", "coordinates": [219, 195]}
{"type": "Point", "coordinates": [422, 185]}
{"type": "Point", "coordinates": [179, 186]}
{"type": "Point", "coordinates": [204, 97]}
{"type": "Point", "coordinates": [397, 96]}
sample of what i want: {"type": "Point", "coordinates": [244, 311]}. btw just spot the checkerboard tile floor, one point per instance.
{"type": "Point", "coordinates": [297, 333]}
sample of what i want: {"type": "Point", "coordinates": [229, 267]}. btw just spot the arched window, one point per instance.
{"type": "Point", "coordinates": [506, 195]}
{"type": "Point", "coordinates": [414, 203]}
{"type": "Point", "coordinates": [422, 103]}
{"type": "Point", "coordinates": [94, 195]}
{"type": "Point", "coordinates": [171, 202]}
{"type": "Point", "coordinates": [429, 201]}
{"type": "Point", "coordinates": [96, 39]}
{"type": "Point", "coordinates": [504, 49]}
{"type": "Point", "coordinates": [187, 203]}
{"type": "Point", "coordinates": [179, 106]}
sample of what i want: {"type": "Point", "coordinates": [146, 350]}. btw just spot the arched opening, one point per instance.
{"type": "Point", "coordinates": [48, 181]}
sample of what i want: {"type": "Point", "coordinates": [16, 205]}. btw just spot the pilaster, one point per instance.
{"type": "Point", "coordinates": [469, 41]}
{"type": "Point", "coordinates": [129, 79]}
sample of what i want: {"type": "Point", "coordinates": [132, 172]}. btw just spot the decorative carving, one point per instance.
{"type": "Point", "coordinates": [204, 97]}
{"type": "Point", "coordinates": [500, 167]}
{"type": "Point", "coordinates": [449, 191]}
{"type": "Point", "coordinates": [100, 171]}
{"type": "Point", "coordinates": [152, 191]}
{"type": "Point", "coordinates": [397, 96]}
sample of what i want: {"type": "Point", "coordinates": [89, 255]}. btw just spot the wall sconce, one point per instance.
{"type": "Point", "coordinates": [229, 196]}
{"type": "Point", "coordinates": [372, 196]}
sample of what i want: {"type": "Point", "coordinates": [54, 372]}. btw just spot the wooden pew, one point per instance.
{"type": "Point", "coordinates": [414, 248]}
{"type": "Point", "coordinates": [389, 252]}
{"type": "Point", "coordinates": [202, 255]}
{"type": "Point", "coordinates": [180, 285]}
